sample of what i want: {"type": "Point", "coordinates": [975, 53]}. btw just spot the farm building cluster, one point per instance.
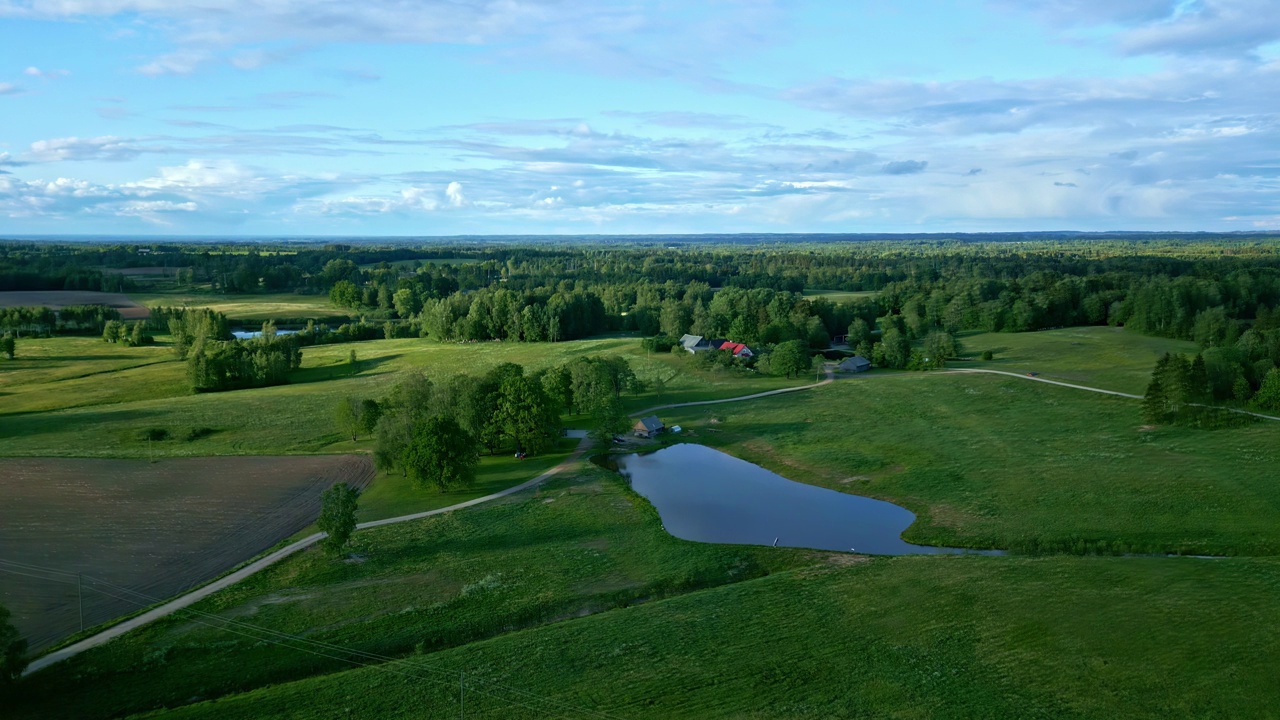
{"type": "Point", "coordinates": [697, 343]}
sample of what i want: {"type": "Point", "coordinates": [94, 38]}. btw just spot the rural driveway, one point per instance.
{"type": "Point", "coordinates": [270, 559]}
{"type": "Point", "coordinates": [768, 393]}
{"type": "Point", "coordinates": [1024, 376]}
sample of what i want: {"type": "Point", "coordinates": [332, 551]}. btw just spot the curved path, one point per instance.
{"type": "Point", "coordinates": [1024, 376]}
{"type": "Point", "coordinates": [267, 561]}
{"type": "Point", "coordinates": [768, 393]}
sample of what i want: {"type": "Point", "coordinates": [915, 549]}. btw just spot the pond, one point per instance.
{"type": "Point", "coordinates": [246, 334]}
{"type": "Point", "coordinates": [708, 496]}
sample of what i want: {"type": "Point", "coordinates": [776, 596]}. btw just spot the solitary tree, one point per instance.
{"type": "Point", "coordinates": [8, 346]}
{"type": "Point", "coordinates": [370, 414]}
{"type": "Point", "coordinates": [337, 516]}
{"type": "Point", "coordinates": [347, 418]}
{"type": "Point", "coordinates": [440, 454]}
{"type": "Point", "coordinates": [13, 651]}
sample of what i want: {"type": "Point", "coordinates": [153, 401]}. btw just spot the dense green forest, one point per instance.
{"type": "Point", "coordinates": [1221, 292]}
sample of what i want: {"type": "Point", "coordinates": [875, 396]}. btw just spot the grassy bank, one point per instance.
{"type": "Point", "coordinates": [577, 546]}
{"type": "Point", "coordinates": [892, 637]}
{"type": "Point", "coordinates": [987, 461]}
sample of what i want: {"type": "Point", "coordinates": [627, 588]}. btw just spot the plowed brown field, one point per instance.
{"type": "Point", "coordinates": [54, 299]}
{"type": "Point", "coordinates": [154, 528]}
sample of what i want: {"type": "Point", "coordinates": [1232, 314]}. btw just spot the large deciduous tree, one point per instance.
{"type": "Point", "coordinates": [440, 454]}
{"type": "Point", "coordinates": [337, 516]}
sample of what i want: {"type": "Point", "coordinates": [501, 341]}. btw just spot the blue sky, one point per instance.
{"type": "Point", "coordinates": [284, 117]}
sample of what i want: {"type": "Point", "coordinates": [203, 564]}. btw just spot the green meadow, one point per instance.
{"type": "Point", "coordinates": [1105, 357]}
{"type": "Point", "coordinates": [86, 398]}
{"type": "Point", "coordinates": [247, 307]}
{"type": "Point", "coordinates": [998, 462]}
{"type": "Point", "coordinates": [570, 600]}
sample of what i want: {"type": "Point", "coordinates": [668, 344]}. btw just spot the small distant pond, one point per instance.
{"type": "Point", "coordinates": [246, 334]}
{"type": "Point", "coordinates": [708, 496]}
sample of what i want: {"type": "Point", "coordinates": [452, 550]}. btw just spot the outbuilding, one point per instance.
{"type": "Point", "coordinates": [855, 364]}
{"type": "Point", "coordinates": [648, 427]}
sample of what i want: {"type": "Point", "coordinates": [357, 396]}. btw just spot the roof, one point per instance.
{"type": "Point", "coordinates": [690, 341]}
{"type": "Point", "coordinates": [734, 347]}
{"type": "Point", "coordinates": [857, 361]}
{"type": "Point", "coordinates": [651, 423]}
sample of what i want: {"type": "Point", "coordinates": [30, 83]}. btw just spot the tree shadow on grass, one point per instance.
{"type": "Point", "coordinates": [37, 423]}
{"type": "Point", "coordinates": [337, 371]}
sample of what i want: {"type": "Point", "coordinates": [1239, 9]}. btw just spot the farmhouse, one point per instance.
{"type": "Point", "coordinates": [738, 349]}
{"type": "Point", "coordinates": [694, 343]}
{"type": "Point", "coordinates": [648, 427]}
{"type": "Point", "coordinates": [855, 364]}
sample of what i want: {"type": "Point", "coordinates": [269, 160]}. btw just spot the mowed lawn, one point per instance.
{"type": "Point", "coordinates": [579, 545]}
{"type": "Point", "coordinates": [1104, 357]}
{"type": "Point", "coordinates": [67, 401]}
{"type": "Point", "coordinates": [997, 462]}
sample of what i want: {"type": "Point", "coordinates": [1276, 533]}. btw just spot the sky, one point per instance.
{"type": "Point", "coordinates": [449, 117]}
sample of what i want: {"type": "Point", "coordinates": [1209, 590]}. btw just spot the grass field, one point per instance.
{"type": "Point", "coordinates": [1105, 357]}
{"type": "Point", "coordinates": [727, 631]}
{"type": "Point", "coordinates": [247, 307]}
{"type": "Point", "coordinates": [989, 461]}
{"type": "Point", "coordinates": [392, 494]}
{"type": "Point", "coordinates": [841, 295]}
{"type": "Point", "coordinates": [576, 546]}
{"type": "Point", "coordinates": [903, 637]}
{"type": "Point", "coordinates": [77, 407]}
{"type": "Point", "coordinates": [153, 528]}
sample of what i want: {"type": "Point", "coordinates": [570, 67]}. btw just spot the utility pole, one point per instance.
{"type": "Point", "coordinates": [80, 599]}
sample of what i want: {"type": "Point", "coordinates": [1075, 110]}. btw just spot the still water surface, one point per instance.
{"type": "Point", "coordinates": [708, 496]}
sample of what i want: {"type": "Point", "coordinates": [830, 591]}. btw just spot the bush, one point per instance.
{"type": "Point", "coordinates": [199, 433]}
{"type": "Point", "coordinates": [155, 434]}
{"type": "Point", "coordinates": [988, 355]}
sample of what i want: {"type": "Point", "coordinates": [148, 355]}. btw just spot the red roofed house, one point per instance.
{"type": "Point", "coordinates": [738, 349]}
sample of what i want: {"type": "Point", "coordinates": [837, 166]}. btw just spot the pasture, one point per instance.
{"type": "Point", "coordinates": [1105, 357]}
{"type": "Point", "coordinates": [66, 401]}
{"type": "Point", "coordinates": [660, 627]}
{"type": "Point", "coordinates": [154, 528]}
{"type": "Point", "coordinates": [581, 544]}
{"type": "Point", "coordinates": [998, 462]}
{"type": "Point", "coordinates": [888, 637]}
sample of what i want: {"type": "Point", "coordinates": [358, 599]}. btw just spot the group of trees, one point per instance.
{"type": "Point", "coordinates": [8, 345]}
{"type": "Point", "coordinates": [69, 320]}
{"type": "Point", "coordinates": [132, 334]}
{"type": "Point", "coordinates": [1182, 391]}
{"type": "Point", "coordinates": [434, 432]}
{"type": "Point", "coordinates": [216, 365]}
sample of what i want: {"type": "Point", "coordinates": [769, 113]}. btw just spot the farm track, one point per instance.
{"type": "Point", "coordinates": [183, 601]}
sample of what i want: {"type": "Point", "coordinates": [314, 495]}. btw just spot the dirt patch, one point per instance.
{"type": "Point", "coordinates": [845, 559]}
{"type": "Point", "coordinates": [151, 528]}
{"type": "Point", "coordinates": [855, 478]}
{"type": "Point", "coordinates": [1146, 428]}
{"type": "Point", "coordinates": [55, 299]}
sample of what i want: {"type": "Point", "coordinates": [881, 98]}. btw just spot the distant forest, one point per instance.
{"type": "Point", "coordinates": [1220, 291]}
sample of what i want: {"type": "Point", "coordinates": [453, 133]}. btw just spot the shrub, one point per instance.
{"type": "Point", "coordinates": [155, 434]}
{"type": "Point", "coordinates": [988, 355]}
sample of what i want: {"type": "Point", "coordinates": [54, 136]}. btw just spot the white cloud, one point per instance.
{"type": "Point", "coordinates": [454, 193]}
{"type": "Point", "coordinates": [108, 148]}
{"type": "Point", "coordinates": [9, 89]}
{"type": "Point", "coordinates": [34, 71]}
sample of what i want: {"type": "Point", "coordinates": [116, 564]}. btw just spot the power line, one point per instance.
{"type": "Point", "coordinates": [226, 624]}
